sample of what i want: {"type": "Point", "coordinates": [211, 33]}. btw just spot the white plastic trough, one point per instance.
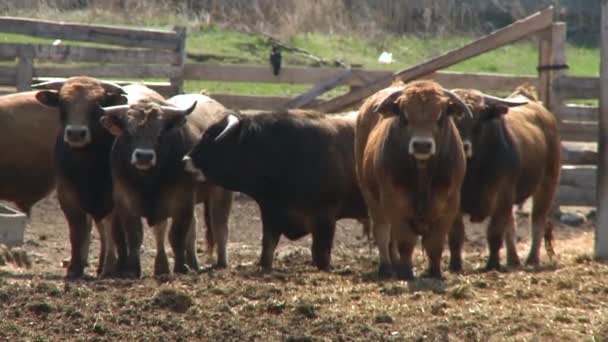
{"type": "Point", "coordinates": [12, 226]}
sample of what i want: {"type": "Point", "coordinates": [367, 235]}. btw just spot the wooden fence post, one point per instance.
{"type": "Point", "coordinates": [601, 231]}
{"type": "Point", "coordinates": [178, 82]}
{"type": "Point", "coordinates": [552, 63]}
{"type": "Point", "coordinates": [25, 68]}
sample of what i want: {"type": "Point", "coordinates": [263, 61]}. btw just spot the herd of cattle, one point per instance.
{"type": "Point", "coordinates": [409, 163]}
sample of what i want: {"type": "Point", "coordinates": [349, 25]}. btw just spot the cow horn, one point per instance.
{"type": "Point", "coordinates": [233, 121]}
{"type": "Point", "coordinates": [115, 110]}
{"type": "Point", "coordinates": [178, 111]}
{"type": "Point", "coordinates": [490, 100]}
{"type": "Point", "coordinates": [459, 101]}
{"type": "Point", "coordinates": [111, 87]}
{"type": "Point", "coordinates": [53, 85]}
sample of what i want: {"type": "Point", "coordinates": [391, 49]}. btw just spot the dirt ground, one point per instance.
{"type": "Point", "coordinates": [564, 300]}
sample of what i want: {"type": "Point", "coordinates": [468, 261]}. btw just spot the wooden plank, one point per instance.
{"type": "Point", "coordinates": [74, 53]}
{"type": "Point", "coordinates": [252, 102]}
{"type": "Point", "coordinates": [577, 186]}
{"type": "Point", "coordinates": [578, 154]}
{"type": "Point", "coordinates": [145, 38]}
{"type": "Point", "coordinates": [558, 57]}
{"type": "Point", "coordinates": [572, 196]}
{"type": "Point", "coordinates": [178, 81]}
{"type": "Point", "coordinates": [25, 69]}
{"type": "Point", "coordinates": [516, 31]}
{"type": "Point", "coordinates": [105, 71]}
{"type": "Point", "coordinates": [308, 75]}
{"type": "Point", "coordinates": [544, 58]}
{"type": "Point", "coordinates": [8, 75]}
{"type": "Point", "coordinates": [573, 131]}
{"type": "Point", "coordinates": [576, 113]}
{"type": "Point", "coordinates": [320, 88]}
{"type": "Point", "coordinates": [601, 232]}
{"type": "Point", "coordinates": [577, 87]}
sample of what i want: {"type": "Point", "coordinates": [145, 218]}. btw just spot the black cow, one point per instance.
{"type": "Point", "coordinates": [150, 182]}
{"type": "Point", "coordinates": [298, 166]}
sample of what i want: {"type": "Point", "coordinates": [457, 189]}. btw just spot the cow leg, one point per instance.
{"type": "Point", "coordinates": [511, 243]}
{"type": "Point", "coordinates": [405, 242]}
{"type": "Point", "coordinates": [322, 242]}
{"type": "Point", "coordinates": [133, 232]}
{"type": "Point", "coordinates": [120, 243]}
{"type": "Point", "coordinates": [191, 257]}
{"type": "Point", "coordinates": [177, 237]}
{"type": "Point", "coordinates": [456, 241]}
{"type": "Point", "coordinates": [80, 235]}
{"type": "Point", "coordinates": [218, 209]}
{"type": "Point", "coordinates": [270, 239]}
{"type": "Point", "coordinates": [541, 207]}
{"type": "Point", "coordinates": [107, 255]}
{"type": "Point", "coordinates": [161, 262]}
{"type": "Point", "coordinates": [496, 233]}
{"type": "Point", "coordinates": [382, 236]}
{"type": "Point", "coordinates": [433, 245]}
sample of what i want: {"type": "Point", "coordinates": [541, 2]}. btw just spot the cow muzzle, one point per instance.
{"type": "Point", "coordinates": [189, 167]}
{"type": "Point", "coordinates": [76, 135]}
{"type": "Point", "coordinates": [467, 145]}
{"type": "Point", "coordinates": [143, 158]}
{"type": "Point", "coordinates": [422, 148]}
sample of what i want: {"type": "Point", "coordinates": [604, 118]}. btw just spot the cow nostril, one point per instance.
{"type": "Point", "coordinates": [144, 157]}
{"type": "Point", "coordinates": [423, 147]}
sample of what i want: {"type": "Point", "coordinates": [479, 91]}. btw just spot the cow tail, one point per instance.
{"type": "Point", "coordinates": [549, 240]}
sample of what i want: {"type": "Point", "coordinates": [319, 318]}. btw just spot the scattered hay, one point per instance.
{"type": "Point", "coordinates": [172, 300]}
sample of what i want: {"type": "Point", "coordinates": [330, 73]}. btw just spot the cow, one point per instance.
{"type": "Point", "coordinates": [26, 146]}
{"type": "Point", "coordinates": [150, 182]}
{"type": "Point", "coordinates": [515, 155]}
{"type": "Point", "coordinates": [81, 158]}
{"type": "Point", "coordinates": [297, 165]}
{"type": "Point", "coordinates": [410, 163]}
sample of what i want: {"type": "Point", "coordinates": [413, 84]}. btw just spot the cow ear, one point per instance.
{"type": "Point", "coordinates": [112, 124]}
{"type": "Point", "coordinates": [386, 103]}
{"type": "Point", "coordinates": [48, 98]}
{"type": "Point", "coordinates": [494, 112]}
{"type": "Point", "coordinates": [112, 99]}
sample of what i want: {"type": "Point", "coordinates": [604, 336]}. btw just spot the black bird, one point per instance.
{"type": "Point", "coordinates": [275, 60]}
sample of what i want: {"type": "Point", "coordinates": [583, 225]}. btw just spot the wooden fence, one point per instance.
{"type": "Point", "coordinates": [161, 54]}
{"type": "Point", "coordinates": [141, 53]}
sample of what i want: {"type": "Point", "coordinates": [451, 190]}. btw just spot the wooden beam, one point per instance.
{"type": "Point", "coordinates": [252, 102]}
{"type": "Point", "coordinates": [75, 53]}
{"type": "Point", "coordinates": [25, 69]}
{"type": "Point", "coordinates": [577, 87]}
{"type": "Point", "coordinates": [320, 88]}
{"type": "Point", "coordinates": [577, 186]}
{"type": "Point", "coordinates": [576, 131]}
{"type": "Point", "coordinates": [178, 81]}
{"type": "Point", "coordinates": [8, 76]}
{"type": "Point", "coordinates": [155, 39]}
{"type": "Point", "coordinates": [601, 233]}
{"type": "Point", "coordinates": [514, 32]}
{"type": "Point", "coordinates": [578, 154]}
{"type": "Point", "coordinates": [576, 113]}
{"type": "Point", "coordinates": [106, 71]}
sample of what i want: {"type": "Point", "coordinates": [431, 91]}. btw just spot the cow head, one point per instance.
{"type": "Point", "coordinates": [141, 128]}
{"type": "Point", "coordinates": [78, 100]}
{"type": "Point", "coordinates": [485, 109]}
{"type": "Point", "coordinates": [218, 146]}
{"type": "Point", "coordinates": [423, 108]}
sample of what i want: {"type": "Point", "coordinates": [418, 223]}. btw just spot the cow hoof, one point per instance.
{"type": "Point", "coordinates": [532, 261]}
{"type": "Point", "coordinates": [181, 269]}
{"type": "Point", "coordinates": [492, 267]}
{"type": "Point", "coordinates": [161, 267]}
{"type": "Point", "coordinates": [428, 274]}
{"type": "Point", "coordinates": [220, 265]}
{"type": "Point", "coordinates": [455, 266]}
{"type": "Point", "coordinates": [513, 264]}
{"type": "Point", "coordinates": [74, 275]}
{"type": "Point", "coordinates": [405, 274]}
{"type": "Point", "coordinates": [385, 271]}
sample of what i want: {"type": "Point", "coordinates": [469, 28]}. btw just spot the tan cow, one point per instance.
{"type": "Point", "coordinates": [515, 155]}
{"type": "Point", "coordinates": [410, 164]}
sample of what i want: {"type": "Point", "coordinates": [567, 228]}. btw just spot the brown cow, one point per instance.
{"type": "Point", "coordinates": [26, 149]}
{"type": "Point", "coordinates": [516, 155]}
{"type": "Point", "coordinates": [150, 182]}
{"type": "Point", "coordinates": [410, 163]}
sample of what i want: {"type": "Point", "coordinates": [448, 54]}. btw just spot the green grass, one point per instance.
{"type": "Point", "coordinates": [221, 46]}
